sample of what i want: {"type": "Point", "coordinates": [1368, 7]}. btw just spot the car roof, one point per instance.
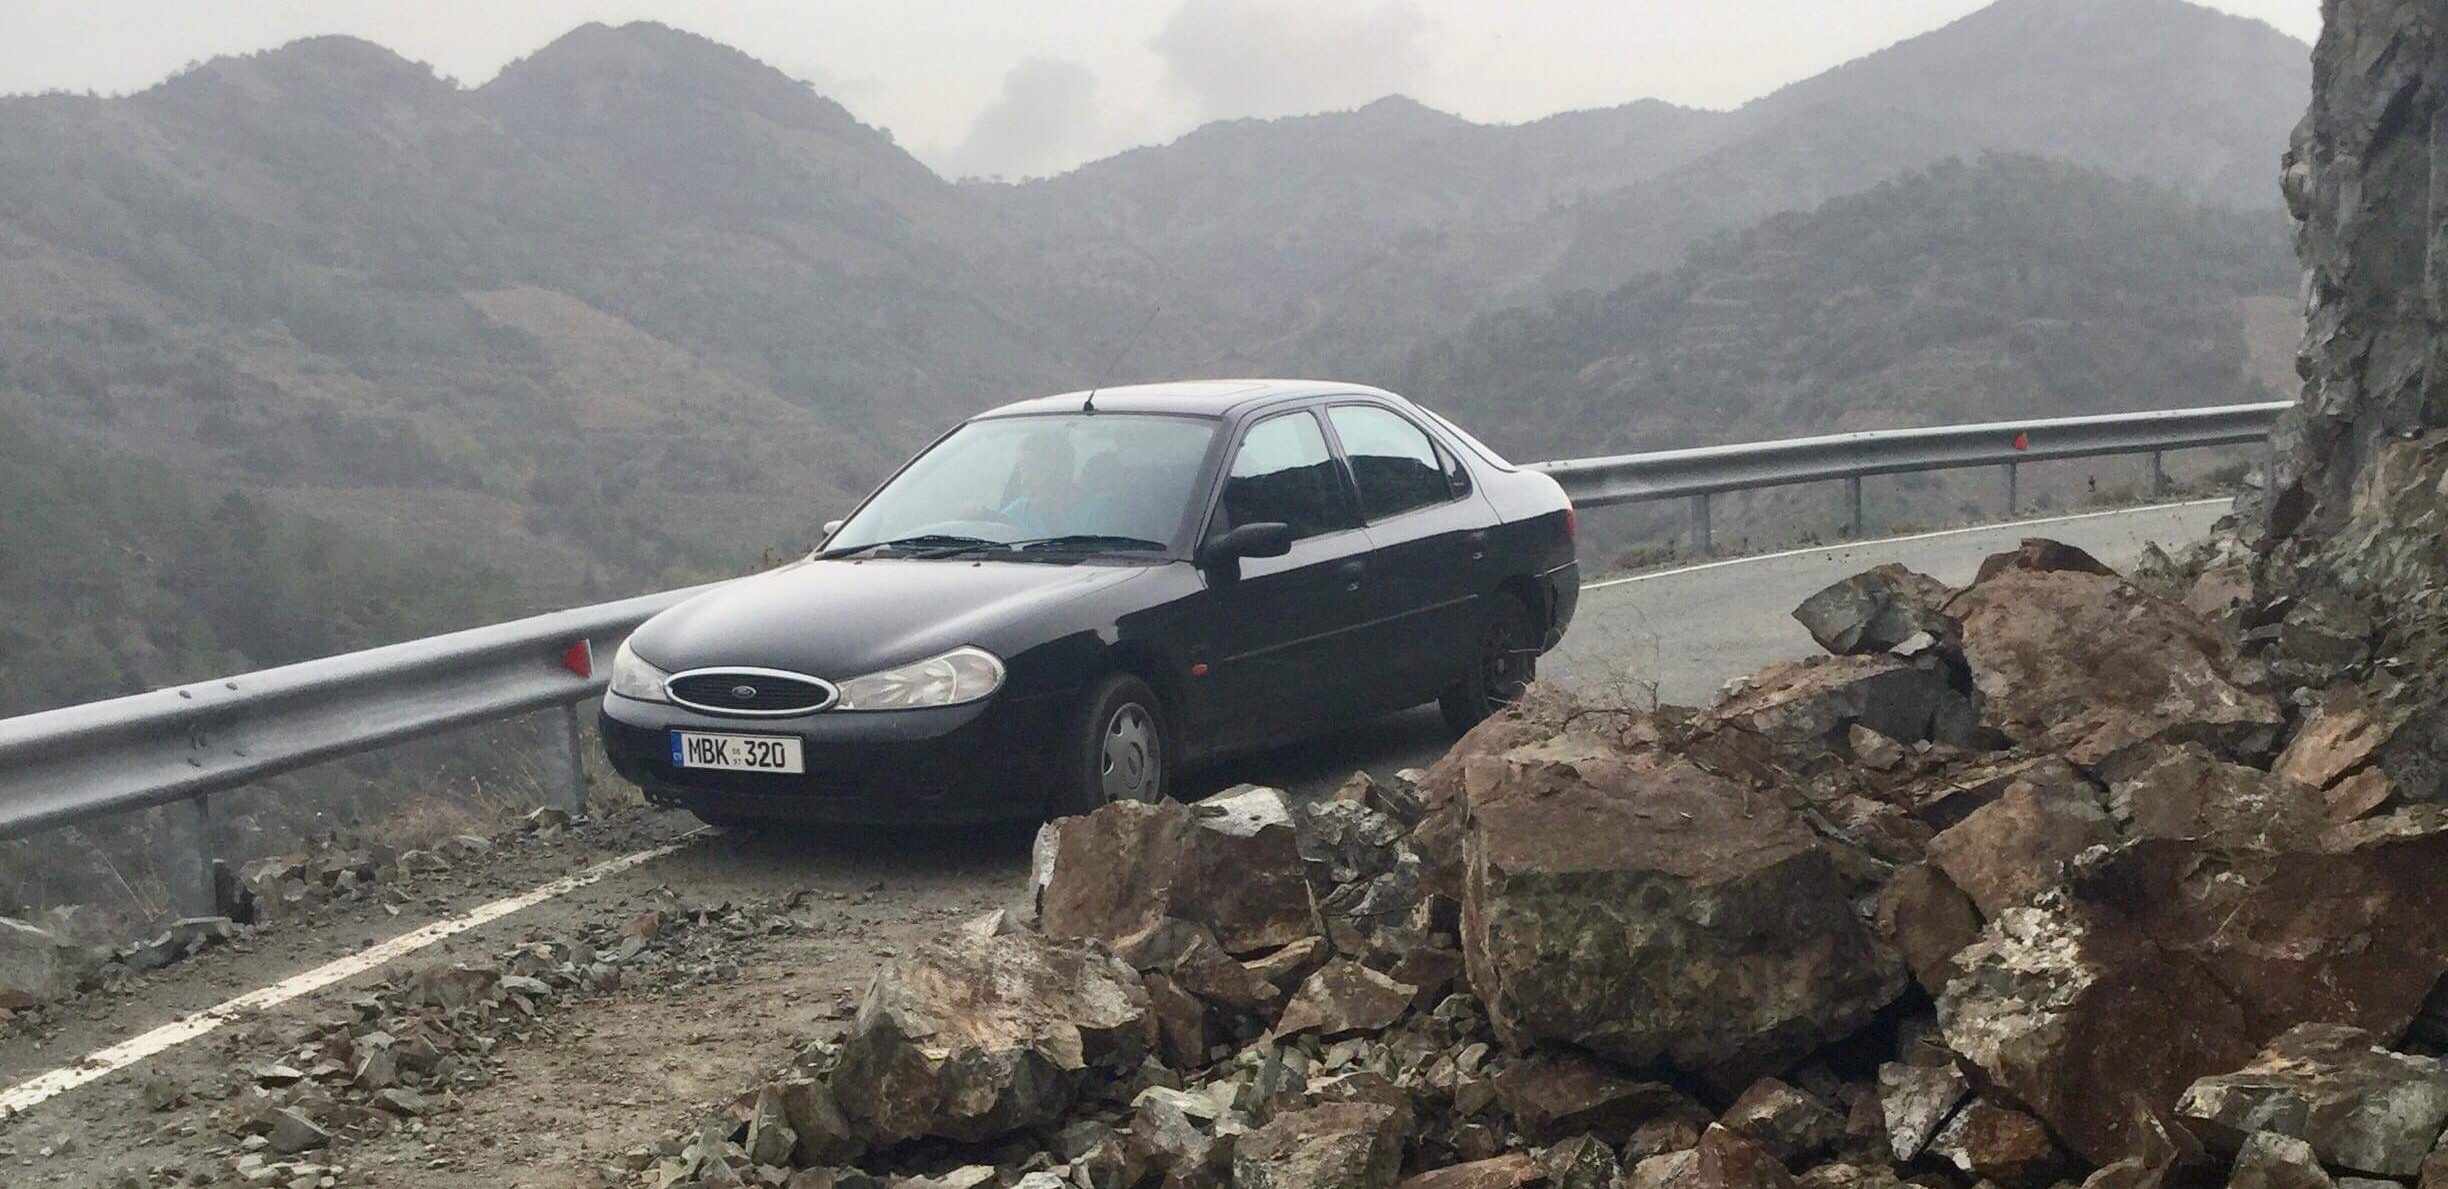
{"type": "Point", "coordinates": [1206, 398]}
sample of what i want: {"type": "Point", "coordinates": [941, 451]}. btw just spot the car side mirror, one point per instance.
{"type": "Point", "coordinates": [1267, 538]}
{"type": "Point", "coordinates": [831, 527]}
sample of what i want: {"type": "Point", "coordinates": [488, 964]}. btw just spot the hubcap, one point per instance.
{"type": "Point", "coordinates": [1505, 665]}
{"type": "Point", "coordinates": [1129, 764]}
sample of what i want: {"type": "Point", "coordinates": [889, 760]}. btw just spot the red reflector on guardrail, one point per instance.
{"type": "Point", "coordinates": [2022, 441]}
{"type": "Point", "coordinates": [579, 658]}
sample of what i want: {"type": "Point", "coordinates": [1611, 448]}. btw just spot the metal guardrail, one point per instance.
{"type": "Point", "coordinates": [1699, 473]}
{"type": "Point", "coordinates": [180, 745]}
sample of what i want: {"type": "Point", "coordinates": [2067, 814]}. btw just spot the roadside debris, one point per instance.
{"type": "Point", "coordinates": [2022, 901]}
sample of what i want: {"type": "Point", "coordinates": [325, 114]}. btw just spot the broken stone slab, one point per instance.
{"type": "Point", "coordinates": [1344, 1145]}
{"type": "Point", "coordinates": [974, 1040]}
{"type": "Point", "coordinates": [2183, 791]}
{"type": "Point", "coordinates": [36, 966]}
{"type": "Point", "coordinates": [1230, 863]}
{"type": "Point", "coordinates": [1926, 918]}
{"type": "Point", "coordinates": [1842, 1175]}
{"type": "Point", "coordinates": [2078, 661]}
{"type": "Point", "coordinates": [1344, 998]}
{"type": "Point", "coordinates": [1794, 1126]}
{"type": "Point", "coordinates": [1877, 610]}
{"type": "Point", "coordinates": [291, 1132]}
{"type": "Point", "coordinates": [2009, 850]}
{"type": "Point", "coordinates": [2160, 962]}
{"type": "Point", "coordinates": [1641, 907]}
{"type": "Point", "coordinates": [2341, 734]}
{"type": "Point", "coordinates": [2268, 1160]}
{"type": "Point", "coordinates": [1513, 1170]}
{"type": "Point", "coordinates": [1999, 1145]}
{"type": "Point", "coordinates": [1726, 1159]}
{"type": "Point", "coordinates": [2360, 1107]}
{"type": "Point", "coordinates": [2040, 555]}
{"type": "Point", "coordinates": [1666, 1170]}
{"type": "Point", "coordinates": [1917, 1100]}
{"type": "Point", "coordinates": [1582, 1162]}
{"type": "Point", "coordinates": [1812, 704]}
{"type": "Point", "coordinates": [1552, 1096]}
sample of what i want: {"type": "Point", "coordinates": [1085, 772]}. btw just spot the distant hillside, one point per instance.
{"type": "Point", "coordinates": [1333, 243]}
{"type": "Point", "coordinates": [641, 308]}
{"type": "Point", "coordinates": [2156, 89]}
{"type": "Point", "coordinates": [2010, 286]}
{"type": "Point", "coordinates": [2007, 287]}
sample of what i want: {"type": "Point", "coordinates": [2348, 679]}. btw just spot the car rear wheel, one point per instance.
{"type": "Point", "coordinates": [1118, 748]}
{"type": "Point", "coordinates": [1505, 664]}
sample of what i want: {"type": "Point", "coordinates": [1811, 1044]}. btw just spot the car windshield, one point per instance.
{"type": "Point", "coordinates": [1087, 482]}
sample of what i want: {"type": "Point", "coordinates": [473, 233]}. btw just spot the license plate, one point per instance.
{"type": "Point", "coordinates": [736, 753]}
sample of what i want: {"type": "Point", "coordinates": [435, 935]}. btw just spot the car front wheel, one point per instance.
{"type": "Point", "coordinates": [1504, 664]}
{"type": "Point", "coordinates": [1118, 748]}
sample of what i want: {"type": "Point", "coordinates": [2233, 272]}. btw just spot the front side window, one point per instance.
{"type": "Point", "coordinates": [1392, 460]}
{"type": "Point", "coordinates": [1038, 478]}
{"type": "Point", "coordinates": [1284, 473]}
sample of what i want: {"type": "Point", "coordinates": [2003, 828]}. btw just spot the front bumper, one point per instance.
{"type": "Point", "coordinates": [990, 761]}
{"type": "Point", "coordinates": [1563, 597]}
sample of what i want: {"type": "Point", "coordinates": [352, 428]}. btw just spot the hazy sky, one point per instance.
{"type": "Point", "coordinates": [1040, 85]}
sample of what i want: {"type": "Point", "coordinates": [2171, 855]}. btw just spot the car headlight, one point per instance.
{"type": "Point", "coordinates": [634, 678]}
{"type": "Point", "coordinates": [961, 675]}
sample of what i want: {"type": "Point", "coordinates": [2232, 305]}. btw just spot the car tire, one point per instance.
{"type": "Point", "coordinates": [1503, 664]}
{"type": "Point", "coordinates": [1119, 748]}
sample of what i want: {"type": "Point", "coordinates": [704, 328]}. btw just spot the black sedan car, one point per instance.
{"type": "Point", "coordinates": [1068, 600]}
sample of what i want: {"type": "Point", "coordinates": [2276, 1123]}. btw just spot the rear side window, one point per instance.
{"type": "Point", "coordinates": [1283, 472]}
{"type": "Point", "coordinates": [1393, 461]}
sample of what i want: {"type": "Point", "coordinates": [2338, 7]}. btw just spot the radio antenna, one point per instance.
{"type": "Point", "coordinates": [1127, 342]}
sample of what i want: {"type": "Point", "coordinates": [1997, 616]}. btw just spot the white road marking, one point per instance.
{"type": "Point", "coordinates": [1882, 541]}
{"type": "Point", "coordinates": [34, 1091]}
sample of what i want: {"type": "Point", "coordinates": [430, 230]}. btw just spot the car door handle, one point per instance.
{"type": "Point", "coordinates": [1350, 573]}
{"type": "Point", "coordinates": [1476, 542]}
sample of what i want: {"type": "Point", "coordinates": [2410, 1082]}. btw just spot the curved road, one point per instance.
{"type": "Point", "coordinates": [614, 1080]}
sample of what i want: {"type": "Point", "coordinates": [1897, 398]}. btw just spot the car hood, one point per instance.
{"type": "Point", "coordinates": [839, 619]}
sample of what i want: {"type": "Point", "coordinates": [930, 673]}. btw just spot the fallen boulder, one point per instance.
{"type": "Point", "coordinates": [1877, 610]}
{"type": "Point", "coordinates": [975, 1040]}
{"type": "Point", "coordinates": [2360, 1107]}
{"type": "Point", "coordinates": [37, 966]}
{"type": "Point", "coordinates": [2183, 791]}
{"type": "Point", "coordinates": [1551, 1096]}
{"type": "Point", "coordinates": [1812, 704]}
{"type": "Point", "coordinates": [2018, 845]}
{"type": "Point", "coordinates": [2073, 659]}
{"type": "Point", "coordinates": [2269, 1160]}
{"type": "Point", "coordinates": [1927, 919]}
{"type": "Point", "coordinates": [1230, 863]}
{"type": "Point", "coordinates": [1342, 998]}
{"type": "Point", "coordinates": [1643, 908]}
{"type": "Point", "coordinates": [2160, 962]}
{"type": "Point", "coordinates": [1343, 1145]}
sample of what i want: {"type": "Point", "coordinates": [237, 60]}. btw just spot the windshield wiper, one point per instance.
{"type": "Point", "coordinates": [1098, 542]}
{"type": "Point", "coordinates": [932, 543]}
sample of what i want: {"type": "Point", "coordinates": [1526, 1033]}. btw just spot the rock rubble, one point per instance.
{"type": "Point", "coordinates": [1950, 916]}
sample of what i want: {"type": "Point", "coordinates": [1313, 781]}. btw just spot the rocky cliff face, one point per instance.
{"type": "Point", "coordinates": [2364, 175]}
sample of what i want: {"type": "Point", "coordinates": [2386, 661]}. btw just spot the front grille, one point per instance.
{"type": "Point", "coordinates": [750, 691]}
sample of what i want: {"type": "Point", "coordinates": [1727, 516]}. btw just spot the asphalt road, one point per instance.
{"type": "Point", "coordinates": [613, 1078]}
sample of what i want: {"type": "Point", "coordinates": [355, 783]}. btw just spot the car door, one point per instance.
{"type": "Point", "coordinates": [1428, 529]}
{"type": "Point", "coordinates": [1280, 630]}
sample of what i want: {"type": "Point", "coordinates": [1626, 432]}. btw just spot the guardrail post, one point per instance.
{"type": "Point", "coordinates": [2013, 496]}
{"type": "Point", "coordinates": [188, 862]}
{"type": "Point", "coordinates": [1853, 525]}
{"type": "Point", "coordinates": [564, 767]}
{"type": "Point", "coordinates": [1700, 541]}
{"type": "Point", "coordinates": [2159, 479]}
